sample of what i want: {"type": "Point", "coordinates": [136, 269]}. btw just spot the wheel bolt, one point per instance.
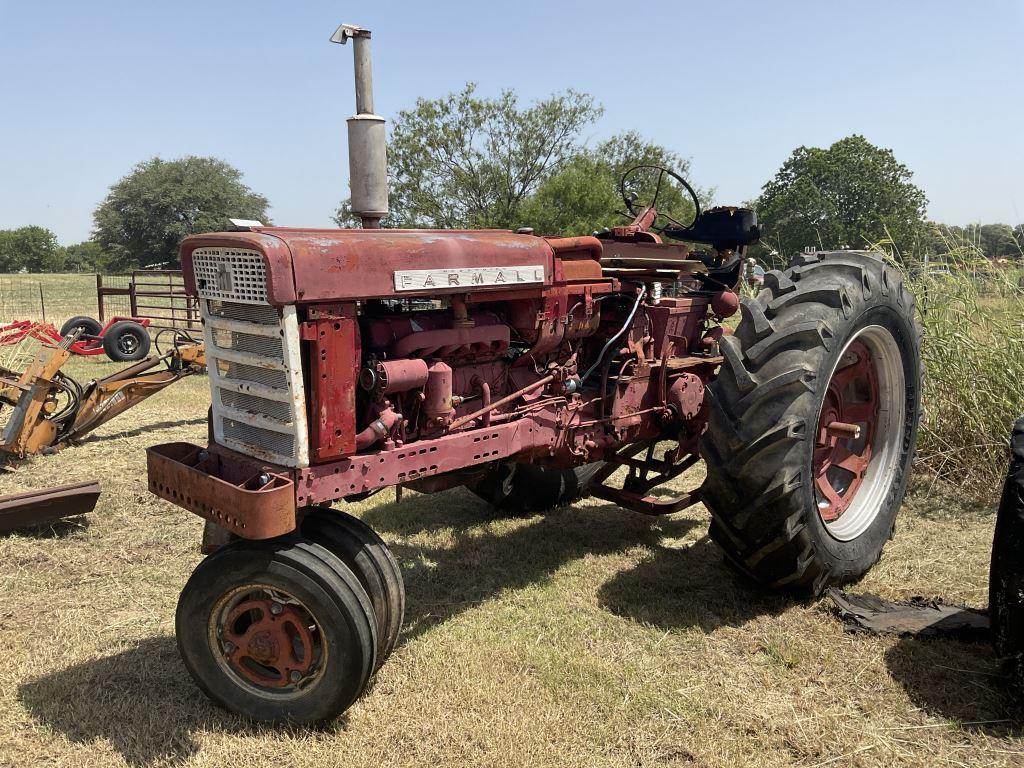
{"type": "Point", "coordinates": [842, 429]}
{"type": "Point", "coordinates": [295, 676]}
{"type": "Point", "coordinates": [229, 647]}
{"type": "Point", "coordinates": [275, 608]}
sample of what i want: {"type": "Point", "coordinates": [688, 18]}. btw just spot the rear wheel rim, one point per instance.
{"type": "Point", "coordinates": [267, 641]}
{"type": "Point", "coordinates": [853, 472]}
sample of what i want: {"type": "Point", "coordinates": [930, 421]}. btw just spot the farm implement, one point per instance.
{"type": "Point", "coordinates": [122, 339]}
{"type": "Point", "coordinates": [48, 410]}
{"type": "Point", "coordinates": [532, 370]}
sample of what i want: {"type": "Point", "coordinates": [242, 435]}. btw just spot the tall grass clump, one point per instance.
{"type": "Point", "coordinates": [972, 312]}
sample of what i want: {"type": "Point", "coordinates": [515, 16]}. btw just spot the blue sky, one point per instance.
{"type": "Point", "coordinates": [89, 89]}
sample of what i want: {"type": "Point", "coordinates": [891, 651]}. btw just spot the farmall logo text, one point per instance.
{"type": "Point", "coordinates": [466, 277]}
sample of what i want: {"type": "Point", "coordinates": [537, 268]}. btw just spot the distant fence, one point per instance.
{"type": "Point", "coordinates": [158, 295]}
{"type": "Point", "coordinates": [53, 298]}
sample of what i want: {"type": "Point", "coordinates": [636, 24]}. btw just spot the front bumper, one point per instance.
{"type": "Point", "coordinates": [242, 497]}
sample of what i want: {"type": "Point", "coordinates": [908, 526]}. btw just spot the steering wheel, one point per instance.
{"type": "Point", "coordinates": [631, 200]}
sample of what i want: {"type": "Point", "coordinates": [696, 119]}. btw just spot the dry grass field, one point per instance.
{"type": "Point", "coordinates": [586, 637]}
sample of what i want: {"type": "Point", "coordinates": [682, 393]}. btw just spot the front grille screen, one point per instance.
{"type": "Point", "coordinates": [225, 273]}
{"type": "Point", "coordinates": [252, 351]}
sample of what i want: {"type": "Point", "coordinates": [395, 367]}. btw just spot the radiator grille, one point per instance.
{"type": "Point", "coordinates": [268, 377]}
{"type": "Point", "coordinates": [241, 401]}
{"type": "Point", "coordinates": [252, 351]}
{"type": "Point", "coordinates": [235, 275]}
{"type": "Point", "coordinates": [270, 443]}
{"type": "Point", "coordinates": [247, 313]}
{"type": "Point", "coordinates": [264, 346]}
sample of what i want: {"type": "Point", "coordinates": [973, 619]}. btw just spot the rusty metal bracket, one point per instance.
{"type": "Point", "coordinates": [258, 507]}
{"type": "Point", "coordinates": [644, 475]}
{"type": "Point", "coordinates": [36, 507]}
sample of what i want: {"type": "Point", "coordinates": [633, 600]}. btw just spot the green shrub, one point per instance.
{"type": "Point", "coordinates": [972, 312]}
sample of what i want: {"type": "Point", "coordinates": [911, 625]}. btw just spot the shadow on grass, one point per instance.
{"type": "Point", "coordinates": [689, 587]}
{"type": "Point", "coordinates": [56, 529]}
{"type": "Point", "coordinates": [140, 700]}
{"type": "Point", "coordinates": [674, 588]}
{"type": "Point", "coordinates": [140, 430]}
{"type": "Point", "coordinates": [958, 681]}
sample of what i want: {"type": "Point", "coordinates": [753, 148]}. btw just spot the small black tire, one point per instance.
{"type": "Point", "coordinates": [326, 593]}
{"type": "Point", "coordinates": [1006, 575]}
{"type": "Point", "coordinates": [370, 559]}
{"type": "Point", "coordinates": [87, 325]}
{"type": "Point", "coordinates": [126, 341]}
{"type": "Point", "coordinates": [523, 488]}
{"type": "Point", "coordinates": [794, 342]}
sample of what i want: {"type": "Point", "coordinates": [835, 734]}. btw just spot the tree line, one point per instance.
{"type": "Point", "coordinates": [465, 162]}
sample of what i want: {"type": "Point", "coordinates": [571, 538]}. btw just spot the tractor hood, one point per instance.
{"type": "Point", "coordinates": [318, 265]}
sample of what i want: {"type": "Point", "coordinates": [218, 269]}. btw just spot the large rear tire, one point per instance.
{"type": "Point", "coordinates": [813, 421]}
{"type": "Point", "coordinates": [1006, 575]}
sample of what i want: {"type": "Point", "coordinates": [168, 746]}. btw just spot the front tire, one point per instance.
{"type": "Point", "coordinates": [279, 631]}
{"type": "Point", "coordinates": [370, 559]}
{"type": "Point", "coordinates": [813, 422]}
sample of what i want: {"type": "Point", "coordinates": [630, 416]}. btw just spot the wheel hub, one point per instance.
{"type": "Point", "coordinates": [268, 643]}
{"type": "Point", "coordinates": [845, 432]}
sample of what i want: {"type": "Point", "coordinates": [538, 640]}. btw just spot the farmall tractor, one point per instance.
{"type": "Point", "coordinates": [529, 369]}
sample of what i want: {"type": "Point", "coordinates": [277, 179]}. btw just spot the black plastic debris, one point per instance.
{"type": "Point", "coordinates": [917, 617]}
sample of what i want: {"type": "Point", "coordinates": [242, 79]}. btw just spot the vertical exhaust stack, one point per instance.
{"type": "Point", "coordinates": [367, 152]}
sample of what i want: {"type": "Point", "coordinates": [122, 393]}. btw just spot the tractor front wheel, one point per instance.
{"type": "Point", "coordinates": [277, 631]}
{"type": "Point", "coordinates": [813, 422]}
{"type": "Point", "coordinates": [370, 559]}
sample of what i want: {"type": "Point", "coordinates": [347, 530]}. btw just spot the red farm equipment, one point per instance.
{"type": "Point", "coordinates": [530, 369]}
{"type": "Point", "coordinates": [122, 339]}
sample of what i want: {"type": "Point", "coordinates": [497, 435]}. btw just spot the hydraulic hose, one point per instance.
{"type": "Point", "coordinates": [608, 345]}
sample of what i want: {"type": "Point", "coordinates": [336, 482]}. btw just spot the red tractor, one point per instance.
{"type": "Point", "coordinates": [530, 369]}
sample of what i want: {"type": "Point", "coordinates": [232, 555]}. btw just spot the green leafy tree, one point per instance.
{"type": "Point", "coordinates": [584, 195]}
{"type": "Point", "coordinates": [86, 256]}
{"type": "Point", "coordinates": [851, 195]}
{"type": "Point", "coordinates": [146, 214]}
{"type": "Point", "coordinates": [463, 161]}
{"type": "Point", "coordinates": [998, 241]}
{"type": "Point", "coordinates": [30, 249]}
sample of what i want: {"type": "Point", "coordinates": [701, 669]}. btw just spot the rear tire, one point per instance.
{"type": "Point", "coordinates": [1006, 576]}
{"type": "Point", "coordinates": [88, 326]}
{"type": "Point", "coordinates": [370, 559]}
{"type": "Point", "coordinates": [277, 631]}
{"type": "Point", "coordinates": [794, 505]}
{"type": "Point", "coordinates": [126, 341]}
{"type": "Point", "coordinates": [523, 488]}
